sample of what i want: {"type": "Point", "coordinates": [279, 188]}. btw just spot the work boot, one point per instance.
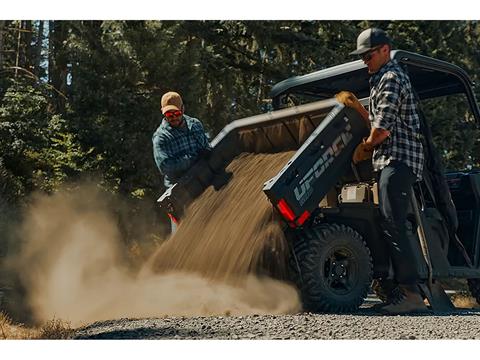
{"type": "Point", "coordinates": [409, 301]}
{"type": "Point", "coordinates": [384, 289]}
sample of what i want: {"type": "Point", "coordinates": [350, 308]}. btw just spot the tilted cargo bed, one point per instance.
{"type": "Point", "coordinates": [317, 166]}
{"type": "Point", "coordinates": [278, 131]}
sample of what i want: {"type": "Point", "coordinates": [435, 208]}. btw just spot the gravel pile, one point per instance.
{"type": "Point", "coordinates": [366, 324]}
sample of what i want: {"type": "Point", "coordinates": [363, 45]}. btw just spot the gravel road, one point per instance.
{"type": "Point", "coordinates": [365, 324]}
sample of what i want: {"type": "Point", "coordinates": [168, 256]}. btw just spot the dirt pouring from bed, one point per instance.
{"type": "Point", "coordinates": [225, 232]}
{"type": "Point", "coordinates": [219, 262]}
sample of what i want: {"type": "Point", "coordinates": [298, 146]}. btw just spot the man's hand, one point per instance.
{"type": "Point", "coordinates": [362, 152]}
{"type": "Point", "coordinates": [349, 99]}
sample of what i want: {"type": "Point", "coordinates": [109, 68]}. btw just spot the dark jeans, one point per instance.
{"type": "Point", "coordinates": [395, 187]}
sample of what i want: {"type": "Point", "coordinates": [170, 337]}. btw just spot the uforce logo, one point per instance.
{"type": "Point", "coordinates": [304, 189]}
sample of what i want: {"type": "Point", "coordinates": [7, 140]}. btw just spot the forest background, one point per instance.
{"type": "Point", "coordinates": [80, 99]}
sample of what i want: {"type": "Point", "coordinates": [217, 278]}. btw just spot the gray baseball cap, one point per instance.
{"type": "Point", "coordinates": [370, 38]}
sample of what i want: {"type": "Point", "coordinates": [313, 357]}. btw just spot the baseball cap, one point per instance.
{"type": "Point", "coordinates": [370, 38]}
{"type": "Point", "coordinates": [171, 101]}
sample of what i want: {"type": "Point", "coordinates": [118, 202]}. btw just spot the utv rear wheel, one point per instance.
{"type": "Point", "coordinates": [335, 268]}
{"type": "Point", "coordinates": [474, 286]}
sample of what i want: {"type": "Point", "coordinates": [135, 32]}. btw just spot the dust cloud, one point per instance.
{"type": "Point", "coordinates": [74, 268]}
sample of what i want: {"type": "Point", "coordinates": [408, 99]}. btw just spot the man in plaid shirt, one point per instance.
{"type": "Point", "coordinates": [397, 157]}
{"type": "Point", "coordinates": [179, 140]}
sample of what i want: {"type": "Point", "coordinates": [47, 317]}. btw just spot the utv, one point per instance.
{"type": "Point", "coordinates": [330, 206]}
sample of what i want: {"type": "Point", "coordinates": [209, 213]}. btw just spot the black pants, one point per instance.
{"type": "Point", "coordinates": [395, 187]}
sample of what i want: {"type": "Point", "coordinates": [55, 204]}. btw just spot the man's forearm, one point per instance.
{"type": "Point", "coordinates": [377, 136]}
{"type": "Point", "coordinates": [173, 166]}
{"type": "Point", "coordinates": [364, 114]}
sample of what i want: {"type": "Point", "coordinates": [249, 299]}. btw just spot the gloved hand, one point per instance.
{"type": "Point", "coordinates": [350, 100]}
{"type": "Point", "coordinates": [347, 98]}
{"type": "Point", "coordinates": [221, 178]}
{"type": "Point", "coordinates": [204, 154]}
{"type": "Point", "coordinates": [362, 152]}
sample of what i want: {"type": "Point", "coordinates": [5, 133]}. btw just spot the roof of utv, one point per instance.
{"type": "Point", "coordinates": [430, 78]}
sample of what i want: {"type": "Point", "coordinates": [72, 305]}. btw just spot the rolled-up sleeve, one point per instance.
{"type": "Point", "coordinates": [388, 102]}
{"type": "Point", "coordinates": [200, 135]}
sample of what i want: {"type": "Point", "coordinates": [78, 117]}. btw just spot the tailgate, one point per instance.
{"type": "Point", "coordinates": [317, 166]}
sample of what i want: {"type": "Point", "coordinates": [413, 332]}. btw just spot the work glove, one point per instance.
{"type": "Point", "coordinates": [204, 153]}
{"type": "Point", "coordinates": [362, 152]}
{"type": "Point", "coordinates": [221, 178]}
{"type": "Point", "coordinates": [347, 98]}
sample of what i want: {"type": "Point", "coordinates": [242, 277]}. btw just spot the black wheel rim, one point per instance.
{"type": "Point", "coordinates": [340, 270]}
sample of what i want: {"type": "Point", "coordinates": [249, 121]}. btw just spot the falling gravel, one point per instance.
{"type": "Point", "coordinates": [225, 233]}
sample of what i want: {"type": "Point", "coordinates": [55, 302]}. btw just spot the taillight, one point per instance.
{"type": "Point", "coordinates": [301, 220]}
{"type": "Point", "coordinates": [289, 215]}
{"type": "Point", "coordinates": [285, 210]}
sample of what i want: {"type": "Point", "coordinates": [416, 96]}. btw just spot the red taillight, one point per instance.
{"type": "Point", "coordinates": [285, 210]}
{"type": "Point", "coordinates": [301, 220]}
{"type": "Point", "coordinates": [173, 218]}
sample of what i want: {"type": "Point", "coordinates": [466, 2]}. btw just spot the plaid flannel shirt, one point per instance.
{"type": "Point", "coordinates": [175, 149]}
{"type": "Point", "coordinates": [392, 107]}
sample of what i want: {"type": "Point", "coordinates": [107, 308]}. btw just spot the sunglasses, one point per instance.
{"type": "Point", "coordinates": [368, 55]}
{"type": "Point", "coordinates": [173, 113]}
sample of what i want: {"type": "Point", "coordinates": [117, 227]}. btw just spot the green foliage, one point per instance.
{"type": "Point", "coordinates": [38, 151]}
{"type": "Point", "coordinates": [62, 160]}
{"type": "Point", "coordinates": [454, 131]}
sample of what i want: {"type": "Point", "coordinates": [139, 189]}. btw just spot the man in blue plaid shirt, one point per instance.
{"type": "Point", "coordinates": [179, 140]}
{"type": "Point", "coordinates": [397, 157]}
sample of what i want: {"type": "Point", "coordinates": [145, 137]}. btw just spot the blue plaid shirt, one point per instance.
{"type": "Point", "coordinates": [392, 107]}
{"type": "Point", "coordinates": [175, 149]}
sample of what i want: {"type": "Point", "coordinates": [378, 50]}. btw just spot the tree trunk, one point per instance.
{"type": "Point", "coordinates": [18, 54]}
{"type": "Point", "coordinates": [28, 51]}
{"type": "Point", "coordinates": [57, 64]}
{"type": "Point", "coordinates": [38, 50]}
{"type": "Point", "coordinates": [51, 57]}
{"type": "Point", "coordinates": [2, 26]}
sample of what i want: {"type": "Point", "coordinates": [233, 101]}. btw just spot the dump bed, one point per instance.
{"type": "Point", "coordinates": [313, 129]}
